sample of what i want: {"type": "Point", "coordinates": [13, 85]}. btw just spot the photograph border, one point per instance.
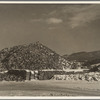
{"type": "Point", "coordinates": [49, 2]}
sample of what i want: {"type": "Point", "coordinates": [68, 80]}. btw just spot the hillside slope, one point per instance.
{"type": "Point", "coordinates": [83, 56]}
{"type": "Point", "coordinates": [32, 56]}
{"type": "Point", "coordinates": [86, 58]}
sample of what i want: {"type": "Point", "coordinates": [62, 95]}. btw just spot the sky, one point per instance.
{"type": "Point", "coordinates": [64, 28]}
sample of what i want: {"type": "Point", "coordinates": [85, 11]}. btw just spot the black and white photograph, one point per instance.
{"type": "Point", "coordinates": [50, 50]}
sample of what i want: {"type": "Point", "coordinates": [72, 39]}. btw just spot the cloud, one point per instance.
{"type": "Point", "coordinates": [54, 21]}
{"type": "Point", "coordinates": [81, 16]}
{"type": "Point", "coordinates": [48, 20]}
{"type": "Point", "coordinates": [71, 15]}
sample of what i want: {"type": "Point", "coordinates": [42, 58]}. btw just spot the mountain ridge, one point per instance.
{"type": "Point", "coordinates": [83, 56]}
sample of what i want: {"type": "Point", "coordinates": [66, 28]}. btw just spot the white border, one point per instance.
{"type": "Point", "coordinates": [48, 97]}
{"type": "Point", "coordinates": [49, 2]}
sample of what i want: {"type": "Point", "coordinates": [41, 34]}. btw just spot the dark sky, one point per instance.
{"type": "Point", "coordinates": [63, 28]}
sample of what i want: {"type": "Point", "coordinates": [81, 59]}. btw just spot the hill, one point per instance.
{"type": "Point", "coordinates": [83, 56]}
{"type": "Point", "coordinates": [32, 56]}
{"type": "Point", "coordinates": [86, 58]}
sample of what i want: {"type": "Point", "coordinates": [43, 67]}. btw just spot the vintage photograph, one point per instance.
{"type": "Point", "coordinates": [50, 50]}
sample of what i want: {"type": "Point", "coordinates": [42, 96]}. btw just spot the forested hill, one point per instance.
{"type": "Point", "coordinates": [83, 56]}
{"type": "Point", "coordinates": [88, 59]}
{"type": "Point", "coordinates": [32, 56]}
